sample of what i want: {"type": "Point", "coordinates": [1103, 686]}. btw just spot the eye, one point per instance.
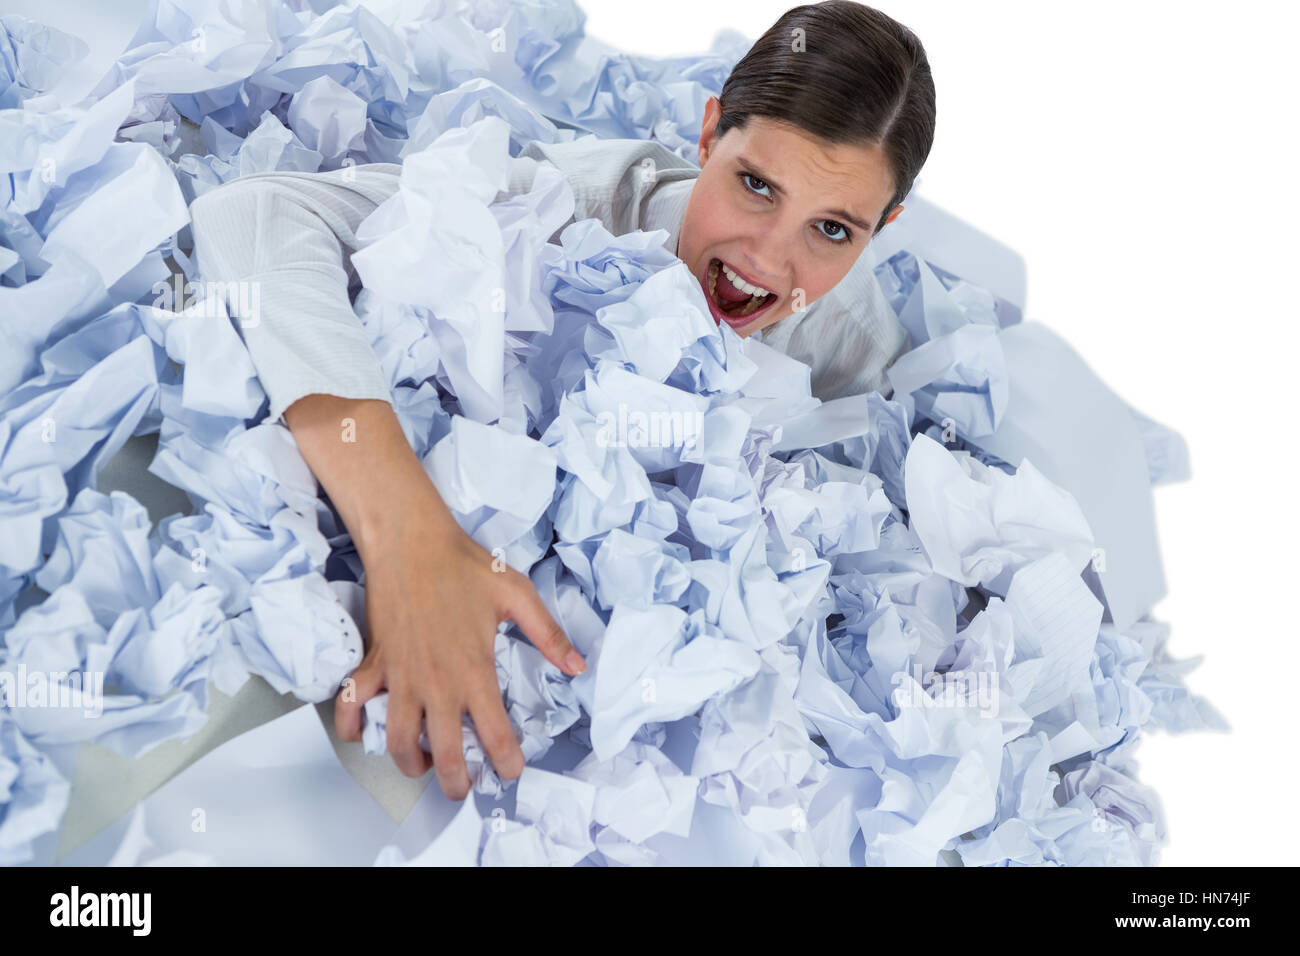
{"type": "Point", "coordinates": [746, 177]}
{"type": "Point", "coordinates": [842, 235]}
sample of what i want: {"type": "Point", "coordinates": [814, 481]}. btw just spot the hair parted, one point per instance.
{"type": "Point", "coordinates": [844, 72]}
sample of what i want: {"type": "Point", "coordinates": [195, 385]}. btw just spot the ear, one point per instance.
{"type": "Point", "coordinates": [712, 113]}
{"type": "Point", "coordinates": [894, 214]}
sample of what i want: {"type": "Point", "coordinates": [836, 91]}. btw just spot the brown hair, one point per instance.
{"type": "Point", "coordinates": [844, 72]}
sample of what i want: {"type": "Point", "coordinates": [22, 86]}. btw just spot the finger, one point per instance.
{"type": "Point", "coordinates": [364, 683]}
{"type": "Point", "coordinates": [527, 610]}
{"type": "Point", "coordinates": [495, 733]}
{"type": "Point", "coordinates": [445, 740]}
{"type": "Point", "coordinates": [405, 717]}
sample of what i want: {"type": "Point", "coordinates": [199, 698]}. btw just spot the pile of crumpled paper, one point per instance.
{"type": "Point", "coordinates": [885, 630]}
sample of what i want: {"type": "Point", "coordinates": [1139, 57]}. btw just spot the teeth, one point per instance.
{"type": "Point", "coordinates": [742, 285]}
{"type": "Point", "coordinates": [756, 294]}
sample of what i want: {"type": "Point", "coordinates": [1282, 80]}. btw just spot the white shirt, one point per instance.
{"type": "Point", "coordinates": [293, 234]}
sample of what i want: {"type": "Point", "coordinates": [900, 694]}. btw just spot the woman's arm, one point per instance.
{"type": "Point", "coordinates": [433, 599]}
{"type": "Point", "coordinates": [273, 245]}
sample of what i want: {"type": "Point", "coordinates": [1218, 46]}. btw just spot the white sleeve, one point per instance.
{"type": "Point", "coordinates": [613, 180]}
{"type": "Point", "coordinates": [280, 237]}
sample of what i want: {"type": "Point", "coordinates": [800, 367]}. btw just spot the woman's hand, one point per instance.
{"type": "Point", "coordinates": [433, 603]}
{"type": "Point", "coordinates": [434, 597]}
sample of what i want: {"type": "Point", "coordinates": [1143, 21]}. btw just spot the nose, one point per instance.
{"type": "Point", "coordinates": [765, 257]}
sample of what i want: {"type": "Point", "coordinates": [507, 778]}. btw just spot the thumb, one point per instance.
{"type": "Point", "coordinates": [364, 683]}
{"type": "Point", "coordinates": [527, 610]}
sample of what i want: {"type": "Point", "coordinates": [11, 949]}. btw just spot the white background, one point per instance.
{"type": "Point", "coordinates": [1142, 157]}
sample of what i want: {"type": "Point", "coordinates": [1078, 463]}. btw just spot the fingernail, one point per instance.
{"type": "Point", "coordinates": [575, 663]}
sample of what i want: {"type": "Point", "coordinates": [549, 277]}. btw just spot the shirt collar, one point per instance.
{"type": "Point", "coordinates": [667, 207]}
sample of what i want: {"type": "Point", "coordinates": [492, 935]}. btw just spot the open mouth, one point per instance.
{"type": "Point", "coordinates": [732, 304]}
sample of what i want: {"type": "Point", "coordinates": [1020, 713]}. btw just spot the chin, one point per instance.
{"type": "Point", "coordinates": [764, 322]}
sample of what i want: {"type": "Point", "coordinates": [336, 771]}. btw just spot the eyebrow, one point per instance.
{"type": "Point", "coordinates": [836, 213]}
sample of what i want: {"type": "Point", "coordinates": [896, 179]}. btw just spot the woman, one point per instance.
{"type": "Point", "coordinates": [815, 140]}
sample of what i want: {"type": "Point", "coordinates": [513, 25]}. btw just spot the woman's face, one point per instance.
{"type": "Point", "coordinates": [786, 211]}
